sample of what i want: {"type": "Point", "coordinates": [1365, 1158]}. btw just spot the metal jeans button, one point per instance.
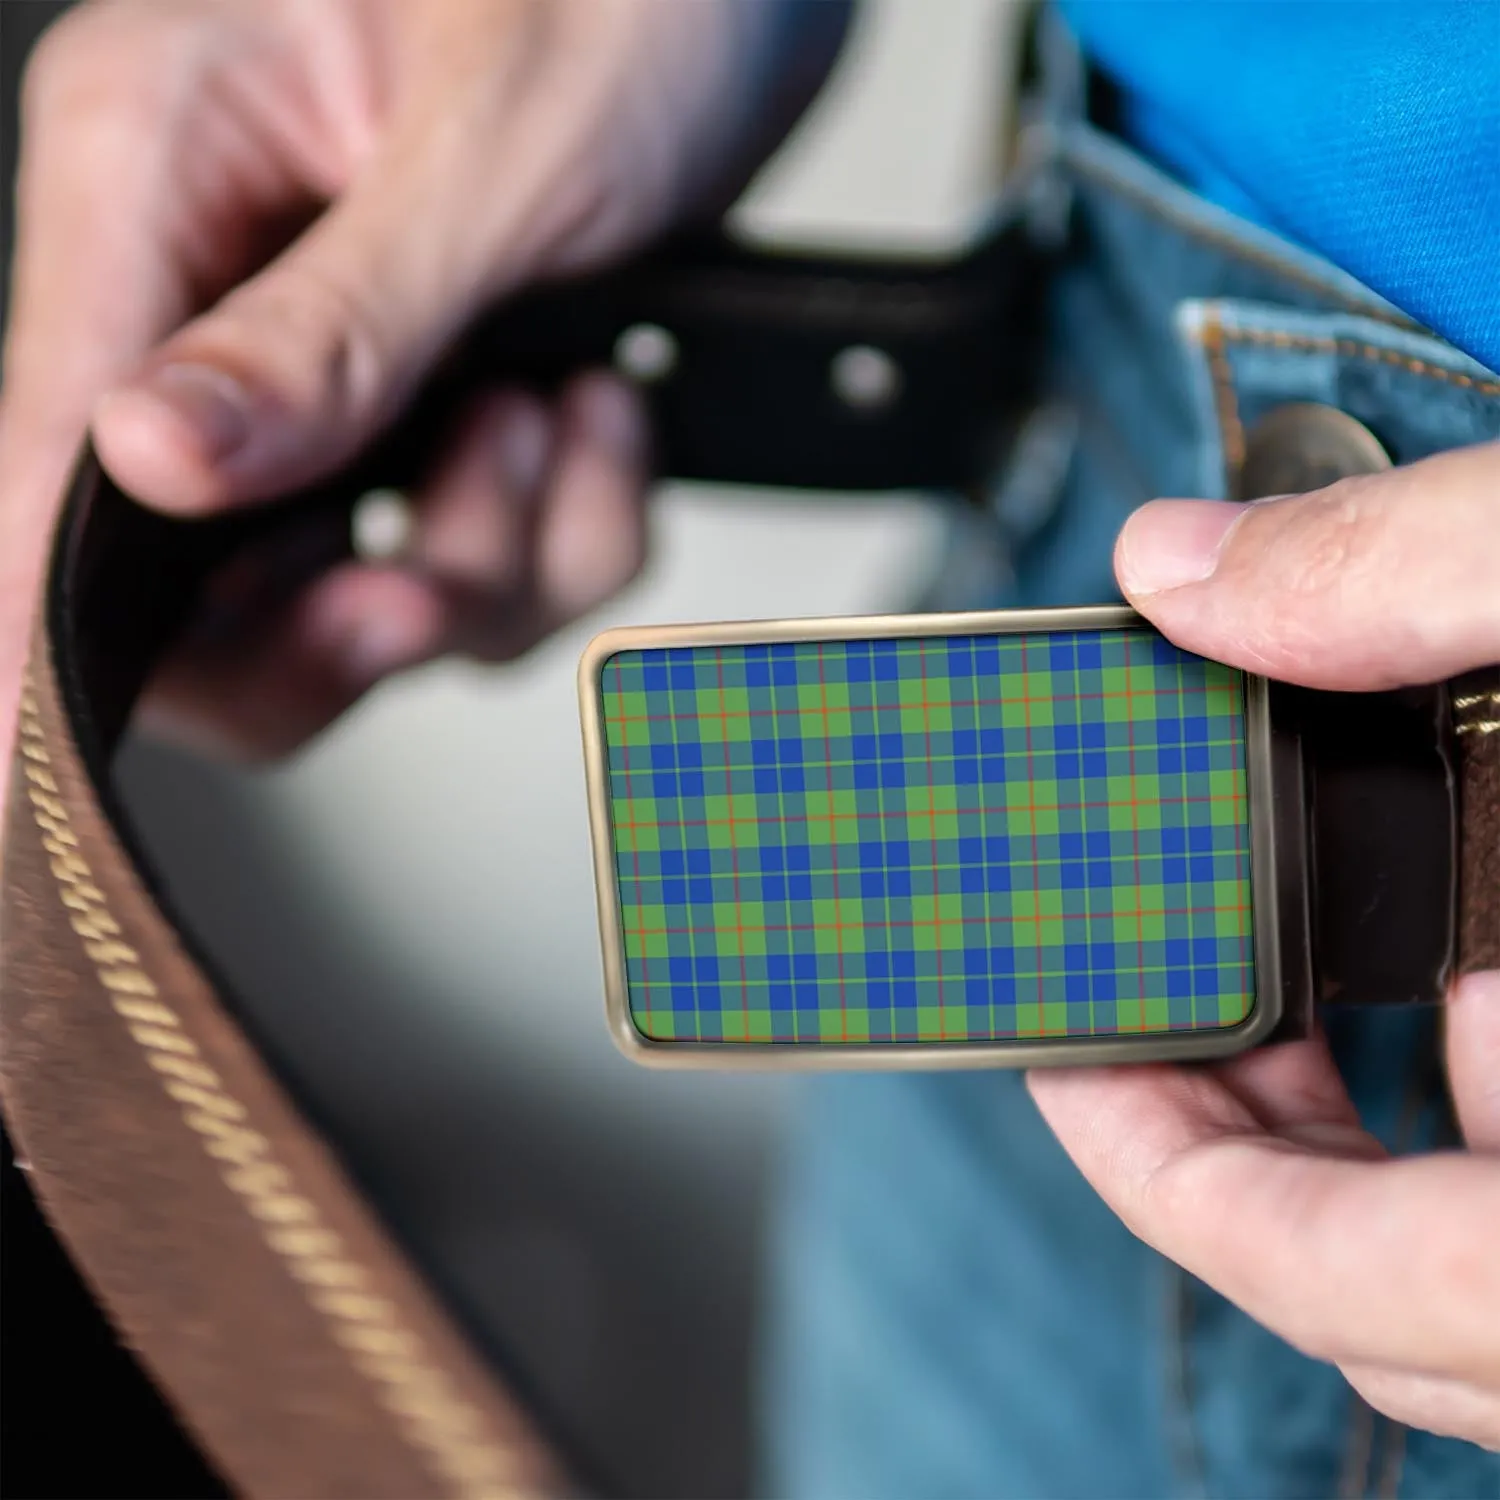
{"type": "Point", "coordinates": [1304, 446]}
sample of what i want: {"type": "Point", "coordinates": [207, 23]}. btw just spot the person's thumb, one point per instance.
{"type": "Point", "coordinates": [1473, 1025]}
{"type": "Point", "coordinates": [1376, 582]}
{"type": "Point", "coordinates": [295, 369]}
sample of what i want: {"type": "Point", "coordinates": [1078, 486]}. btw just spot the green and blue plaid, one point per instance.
{"type": "Point", "coordinates": [944, 839]}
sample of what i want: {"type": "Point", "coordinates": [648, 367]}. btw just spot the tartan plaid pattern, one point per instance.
{"type": "Point", "coordinates": [959, 839]}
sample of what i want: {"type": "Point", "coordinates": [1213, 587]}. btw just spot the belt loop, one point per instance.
{"type": "Point", "coordinates": [1054, 99]}
{"type": "Point", "coordinates": [1063, 74]}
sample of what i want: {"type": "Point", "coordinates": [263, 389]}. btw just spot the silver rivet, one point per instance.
{"type": "Point", "coordinates": [646, 352]}
{"type": "Point", "coordinates": [865, 377]}
{"type": "Point", "coordinates": [381, 526]}
{"type": "Point", "coordinates": [1305, 446]}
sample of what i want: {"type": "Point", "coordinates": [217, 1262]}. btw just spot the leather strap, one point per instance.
{"type": "Point", "coordinates": [1476, 728]}
{"type": "Point", "coordinates": [231, 1248]}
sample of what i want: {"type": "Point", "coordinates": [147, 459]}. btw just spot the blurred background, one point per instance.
{"type": "Point", "coordinates": [408, 908]}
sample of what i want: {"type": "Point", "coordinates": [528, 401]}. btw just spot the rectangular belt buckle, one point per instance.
{"type": "Point", "coordinates": [1013, 838]}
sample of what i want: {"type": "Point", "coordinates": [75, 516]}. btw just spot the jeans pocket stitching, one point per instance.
{"type": "Point", "coordinates": [1212, 336]}
{"type": "Point", "coordinates": [1349, 349]}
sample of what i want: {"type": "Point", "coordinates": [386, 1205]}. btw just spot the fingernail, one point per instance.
{"type": "Point", "coordinates": [213, 406]}
{"type": "Point", "coordinates": [1169, 543]}
{"type": "Point", "coordinates": [611, 415]}
{"type": "Point", "coordinates": [521, 445]}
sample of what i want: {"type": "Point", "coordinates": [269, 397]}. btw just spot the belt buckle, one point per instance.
{"type": "Point", "coordinates": [1001, 839]}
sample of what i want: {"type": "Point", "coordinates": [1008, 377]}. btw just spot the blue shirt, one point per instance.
{"type": "Point", "coordinates": [1366, 130]}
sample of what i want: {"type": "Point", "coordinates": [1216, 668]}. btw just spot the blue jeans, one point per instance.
{"type": "Point", "coordinates": [953, 1312]}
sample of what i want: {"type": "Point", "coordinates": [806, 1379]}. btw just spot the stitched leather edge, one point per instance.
{"type": "Point", "coordinates": [410, 1387]}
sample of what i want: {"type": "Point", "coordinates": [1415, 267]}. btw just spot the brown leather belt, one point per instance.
{"type": "Point", "coordinates": [218, 1229]}
{"type": "Point", "coordinates": [236, 1255]}
{"type": "Point", "coordinates": [1476, 714]}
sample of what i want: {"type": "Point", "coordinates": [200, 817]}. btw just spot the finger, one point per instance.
{"type": "Point", "coordinates": [1297, 1090]}
{"type": "Point", "coordinates": [1452, 1408]}
{"type": "Point", "coordinates": [476, 514]}
{"type": "Point", "coordinates": [1350, 1259]}
{"type": "Point", "coordinates": [271, 690]}
{"type": "Point", "coordinates": [592, 537]}
{"type": "Point", "coordinates": [119, 117]}
{"type": "Point", "coordinates": [1473, 1047]}
{"type": "Point", "coordinates": [582, 542]}
{"type": "Point", "coordinates": [295, 369]}
{"type": "Point", "coordinates": [84, 305]}
{"type": "Point", "coordinates": [1375, 582]}
{"type": "Point", "coordinates": [1293, 1089]}
{"type": "Point", "coordinates": [483, 575]}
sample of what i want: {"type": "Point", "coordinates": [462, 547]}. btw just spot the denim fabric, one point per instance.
{"type": "Point", "coordinates": [953, 1311]}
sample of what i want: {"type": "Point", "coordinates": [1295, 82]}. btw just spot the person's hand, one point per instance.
{"type": "Point", "coordinates": [1255, 1175]}
{"type": "Point", "coordinates": [247, 228]}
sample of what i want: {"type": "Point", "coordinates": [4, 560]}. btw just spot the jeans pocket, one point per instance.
{"type": "Point", "coordinates": [1416, 394]}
